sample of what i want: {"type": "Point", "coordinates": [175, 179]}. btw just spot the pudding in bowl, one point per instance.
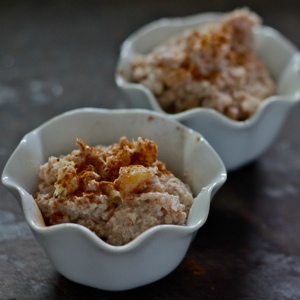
{"type": "Point", "coordinates": [238, 95]}
{"type": "Point", "coordinates": [117, 191]}
{"type": "Point", "coordinates": [75, 250]}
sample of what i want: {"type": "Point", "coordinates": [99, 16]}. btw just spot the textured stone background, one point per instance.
{"type": "Point", "coordinates": [60, 55]}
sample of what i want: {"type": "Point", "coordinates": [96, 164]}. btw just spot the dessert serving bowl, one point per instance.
{"type": "Point", "coordinates": [237, 142]}
{"type": "Point", "coordinates": [75, 251]}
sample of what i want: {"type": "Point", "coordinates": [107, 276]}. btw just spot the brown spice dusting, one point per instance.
{"type": "Point", "coordinates": [212, 66]}
{"type": "Point", "coordinates": [151, 118]}
{"type": "Point", "coordinates": [117, 191]}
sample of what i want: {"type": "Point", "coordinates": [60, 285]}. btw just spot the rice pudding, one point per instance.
{"type": "Point", "coordinates": [117, 191]}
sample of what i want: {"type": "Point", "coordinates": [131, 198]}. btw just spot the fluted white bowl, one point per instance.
{"type": "Point", "coordinates": [237, 142]}
{"type": "Point", "coordinates": [75, 251]}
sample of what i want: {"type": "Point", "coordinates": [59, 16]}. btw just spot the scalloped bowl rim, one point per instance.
{"type": "Point", "coordinates": [216, 115]}
{"type": "Point", "coordinates": [190, 21]}
{"type": "Point", "coordinates": [181, 230]}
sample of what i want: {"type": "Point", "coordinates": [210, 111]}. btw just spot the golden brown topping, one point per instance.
{"type": "Point", "coordinates": [132, 180]}
{"type": "Point", "coordinates": [209, 66]}
{"type": "Point", "coordinates": [105, 164]}
{"type": "Point", "coordinates": [117, 191]}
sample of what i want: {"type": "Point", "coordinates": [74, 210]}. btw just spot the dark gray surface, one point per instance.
{"type": "Point", "coordinates": [60, 55]}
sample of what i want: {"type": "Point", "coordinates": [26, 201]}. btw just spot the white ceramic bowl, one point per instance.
{"type": "Point", "coordinates": [74, 250]}
{"type": "Point", "coordinates": [237, 143]}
